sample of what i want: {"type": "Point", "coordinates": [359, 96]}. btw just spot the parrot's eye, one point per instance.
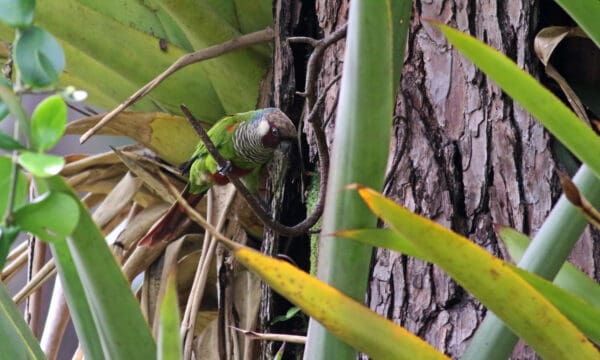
{"type": "Point", "coordinates": [275, 132]}
{"type": "Point", "coordinates": [272, 138]}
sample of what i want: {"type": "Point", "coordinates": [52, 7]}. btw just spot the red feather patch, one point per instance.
{"type": "Point", "coordinates": [222, 179]}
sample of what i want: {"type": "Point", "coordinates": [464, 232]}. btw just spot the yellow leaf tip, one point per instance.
{"type": "Point", "coordinates": [353, 186]}
{"type": "Point", "coordinates": [433, 22]}
{"type": "Point", "coordinates": [339, 233]}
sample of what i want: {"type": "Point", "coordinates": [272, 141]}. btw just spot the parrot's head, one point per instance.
{"type": "Point", "coordinates": [274, 128]}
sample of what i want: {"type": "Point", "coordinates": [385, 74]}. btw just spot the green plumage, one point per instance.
{"type": "Point", "coordinates": [240, 139]}
{"type": "Point", "coordinates": [247, 141]}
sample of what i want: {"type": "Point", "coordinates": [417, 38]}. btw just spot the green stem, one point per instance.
{"type": "Point", "coordinates": [374, 45]}
{"type": "Point", "coordinates": [14, 175]}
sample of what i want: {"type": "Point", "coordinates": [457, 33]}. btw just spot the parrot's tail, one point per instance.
{"type": "Point", "coordinates": [169, 227]}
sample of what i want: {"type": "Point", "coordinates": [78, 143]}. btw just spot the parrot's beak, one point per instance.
{"type": "Point", "coordinates": [285, 145]}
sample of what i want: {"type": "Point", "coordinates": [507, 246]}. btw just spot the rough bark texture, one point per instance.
{"type": "Point", "coordinates": [463, 155]}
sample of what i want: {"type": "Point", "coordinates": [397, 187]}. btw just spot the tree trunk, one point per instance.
{"type": "Point", "coordinates": [463, 155]}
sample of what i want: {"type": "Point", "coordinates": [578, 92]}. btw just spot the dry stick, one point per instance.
{"type": "Point", "coordinates": [211, 52]}
{"type": "Point", "coordinates": [56, 323]}
{"type": "Point", "coordinates": [312, 68]}
{"type": "Point", "coordinates": [199, 284]}
{"type": "Point", "coordinates": [40, 277]}
{"type": "Point", "coordinates": [17, 251]}
{"type": "Point", "coordinates": [11, 269]}
{"type": "Point", "coordinates": [195, 215]}
{"type": "Point", "coordinates": [197, 291]}
{"type": "Point", "coordinates": [38, 251]}
{"type": "Point", "coordinates": [254, 203]}
{"type": "Point", "coordinates": [321, 99]}
{"type": "Point", "coordinates": [318, 128]}
{"type": "Point", "coordinates": [296, 339]}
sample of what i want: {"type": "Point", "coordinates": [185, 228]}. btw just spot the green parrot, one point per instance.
{"type": "Point", "coordinates": [247, 141]}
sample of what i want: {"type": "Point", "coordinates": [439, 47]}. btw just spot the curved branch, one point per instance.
{"type": "Point", "coordinates": [188, 59]}
{"type": "Point", "coordinates": [313, 103]}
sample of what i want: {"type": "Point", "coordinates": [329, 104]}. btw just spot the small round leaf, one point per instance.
{"type": "Point", "coordinates": [38, 57]}
{"type": "Point", "coordinates": [41, 165]}
{"type": "Point", "coordinates": [17, 13]}
{"type": "Point", "coordinates": [48, 122]}
{"type": "Point", "coordinates": [52, 216]}
{"type": "Point", "coordinates": [5, 183]}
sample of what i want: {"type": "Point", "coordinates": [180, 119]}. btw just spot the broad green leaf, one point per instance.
{"type": "Point", "coordinates": [117, 316]}
{"type": "Point", "coordinates": [585, 14]}
{"type": "Point", "coordinates": [169, 341]}
{"type": "Point", "coordinates": [48, 122]}
{"type": "Point", "coordinates": [583, 312]}
{"type": "Point", "coordinates": [17, 339]}
{"type": "Point", "coordinates": [346, 318]}
{"type": "Point", "coordinates": [529, 93]}
{"type": "Point", "coordinates": [97, 63]}
{"type": "Point", "coordinates": [532, 316]}
{"type": "Point", "coordinates": [6, 168]}
{"type": "Point", "coordinates": [3, 108]}
{"type": "Point", "coordinates": [41, 165]}
{"type": "Point", "coordinates": [8, 143]}
{"type": "Point", "coordinates": [569, 277]}
{"type": "Point", "coordinates": [17, 13]}
{"type": "Point", "coordinates": [8, 234]}
{"type": "Point", "coordinates": [38, 56]}
{"type": "Point", "coordinates": [579, 311]}
{"type": "Point", "coordinates": [79, 306]}
{"type": "Point", "coordinates": [52, 216]}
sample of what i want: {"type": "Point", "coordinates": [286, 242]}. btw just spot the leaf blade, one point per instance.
{"type": "Point", "coordinates": [317, 299]}
{"type": "Point", "coordinates": [48, 122]}
{"type": "Point", "coordinates": [581, 311]}
{"type": "Point", "coordinates": [484, 275]}
{"type": "Point", "coordinates": [41, 165]}
{"type": "Point", "coordinates": [38, 57]}
{"type": "Point", "coordinates": [14, 331]}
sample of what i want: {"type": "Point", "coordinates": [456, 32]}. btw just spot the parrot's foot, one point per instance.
{"type": "Point", "coordinates": [227, 169]}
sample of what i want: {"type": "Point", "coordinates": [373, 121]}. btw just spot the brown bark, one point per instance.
{"type": "Point", "coordinates": [463, 155]}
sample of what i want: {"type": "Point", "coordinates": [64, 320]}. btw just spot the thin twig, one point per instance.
{"type": "Point", "coordinates": [312, 104]}
{"type": "Point", "coordinates": [37, 258]}
{"type": "Point", "coordinates": [197, 291]}
{"type": "Point", "coordinates": [199, 283]}
{"type": "Point", "coordinates": [321, 140]}
{"type": "Point", "coordinates": [45, 273]}
{"type": "Point", "coordinates": [321, 99]}
{"type": "Point", "coordinates": [17, 251]}
{"type": "Point", "coordinates": [11, 269]}
{"type": "Point", "coordinates": [254, 203]}
{"type": "Point", "coordinates": [313, 65]}
{"type": "Point", "coordinates": [296, 339]}
{"type": "Point", "coordinates": [194, 215]}
{"type": "Point", "coordinates": [188, 59]}
{"type": "Point", "coordinates": [303, 40]}
{"type": "Point", "coordinates": [56, 322]}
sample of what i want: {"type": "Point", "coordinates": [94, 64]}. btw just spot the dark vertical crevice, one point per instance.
{"type": "Point", "coordinates": [292, 18]}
